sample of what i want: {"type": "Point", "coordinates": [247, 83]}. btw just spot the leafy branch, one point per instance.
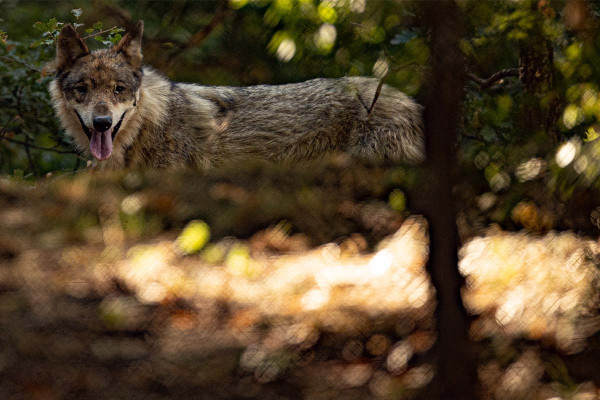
{"type": "Point", "coordinates": [91, 35]}
{"type": "Point", "coordinates": [51, 29]}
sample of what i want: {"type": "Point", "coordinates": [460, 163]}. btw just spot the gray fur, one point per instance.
{"type": "Point", "coordinates": [298, 121]}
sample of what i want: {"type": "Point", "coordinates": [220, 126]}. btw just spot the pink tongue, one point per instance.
{"type": "Point", "coordinates": [101, 144]}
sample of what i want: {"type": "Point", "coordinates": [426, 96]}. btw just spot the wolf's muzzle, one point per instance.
{"type": "Point", "coordinates": [86, 130]}
{"type": "Point", "coordinates": [114, 132]}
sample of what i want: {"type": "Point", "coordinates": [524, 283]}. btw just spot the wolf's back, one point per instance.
{"type": "Point", "coordinates": [306, 120]}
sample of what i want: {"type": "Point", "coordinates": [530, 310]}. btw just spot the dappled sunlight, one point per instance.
{"type": "Point", "coordinates": [187, 304]}
{"type": "Point", "coordinates": [567, 152]}
{"type": "Point", "coordinates": [530, 169]}
{"type": "Point", "coordinates": [541, 288]}
{"type": "Point", "coordinates": [315, 282]}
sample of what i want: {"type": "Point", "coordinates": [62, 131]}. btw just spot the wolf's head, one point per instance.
{"type": "Point", "coordinates": [95, 91]}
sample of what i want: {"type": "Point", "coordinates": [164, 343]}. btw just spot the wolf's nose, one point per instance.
{"type": "Point", "coordinates": [102, 123]}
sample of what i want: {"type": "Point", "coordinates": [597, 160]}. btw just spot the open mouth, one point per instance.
{"type": "Point", "coordinates": [101, 143]}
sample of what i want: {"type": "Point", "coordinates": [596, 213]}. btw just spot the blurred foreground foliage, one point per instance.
{"type": "Point", "coordinates": [259, 283]}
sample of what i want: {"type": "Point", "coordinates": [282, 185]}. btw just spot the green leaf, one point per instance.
{"type": "Point", "coordinates": [194, 236]}
{"type": "Point", "coordinates": [488, 134]}
{"type": "Point", "coordinates": [238, 260]}
{"type": "Point", "coordinates": [403, 37]}
{"type": "Point", "coordinates": [115, 39]}
{"type": "Point", "coordinates": [99, 38]}
{"type": "Point", "coordinates": [98, 26]}
{"type": "Point", "coordinates": [591, 134]}
{"type": "Point", "coordinates": [89, 30]}
{"type": "Point", "coordinates": [40, 26]}
{"type": "Point", "coordinates": [52, 24]}
{"type": "Point", "coordinates": [213, 254]}
{"type": "Point", "coordinates": [17, 174]}
{"type": "Point", "coordinates": [397, 200]}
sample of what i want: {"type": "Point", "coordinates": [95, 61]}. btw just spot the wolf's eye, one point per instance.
{"type": "Point", "coordinates": [119, 89]}
{"type": "Point", "coordinates": [81, 89]}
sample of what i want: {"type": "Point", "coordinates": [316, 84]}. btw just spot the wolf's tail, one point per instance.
{"type": "Point", "coordinates": [389, 125]}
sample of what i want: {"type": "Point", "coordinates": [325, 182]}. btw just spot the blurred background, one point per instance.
{"type": "Point", "coordinates": [279, 281]}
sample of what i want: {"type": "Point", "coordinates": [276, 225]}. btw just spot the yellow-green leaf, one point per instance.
{"type": "Point", "coordinates": [194, 236]}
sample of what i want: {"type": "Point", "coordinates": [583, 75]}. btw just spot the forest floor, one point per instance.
{"type": "Point", "coordinates": [299, 283]}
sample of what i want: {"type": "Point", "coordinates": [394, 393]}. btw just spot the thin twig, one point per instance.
{"type": "Point", "coordinates": [30, 158]}
{"type": "Point", "coordinates": [17, 60]}
{"type": "Point", "coordinates": [473, 137]}
{"type": "Point", "coordinates": [492, 80]}
{"type": "Point", "coordinates": [91, 35]}
{"type": "Point", "coordinates": [199, 36]}
{"type": "Point", "coordinates": [6, 127]}
{"type": "Point", "coordinates": [377, 93]}
{"type": "Point", "coordinates": [123, 17]}
{"type": "Point", "coordinates": [39, 147]}
{"type": "Point", "coordinates": [52, 34]}
{"type": "Point", "coordinates": [397, 68]}
{"type": "Point", "coordinates": [406, 65]}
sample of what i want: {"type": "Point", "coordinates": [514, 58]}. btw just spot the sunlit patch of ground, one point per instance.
{"type": "Point", "coordinates": [99, 310]}
{"type": "Point", "coordinates": [543, 288]}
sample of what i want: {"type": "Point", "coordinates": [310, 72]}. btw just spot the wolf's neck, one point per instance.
{"type": "Point", "coordinates": [154, 99]}
{"type": "Point", "coordinates": [151, 116]}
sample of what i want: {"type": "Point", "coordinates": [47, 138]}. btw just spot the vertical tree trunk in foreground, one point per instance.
{"type": "Point", "coordinates": [456, 376]}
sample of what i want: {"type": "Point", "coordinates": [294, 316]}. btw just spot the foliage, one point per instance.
{"type": "Point", "coordinates": [194, 236]}
{"type": "Point", "coordinates": [514, 130]}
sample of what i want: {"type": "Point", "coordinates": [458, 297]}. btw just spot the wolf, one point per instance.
{"type": "Point", "coordinates": [128, 115]}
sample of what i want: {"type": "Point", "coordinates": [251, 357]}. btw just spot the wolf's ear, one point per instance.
{"type": "Point", "coordinates": [69, 47]}
{"type": "Point", "coordinates": [131, 45]}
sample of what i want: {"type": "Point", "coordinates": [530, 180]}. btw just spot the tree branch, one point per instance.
{"type": "Point", "coordinates": [32, 165]}
{"type": "Point", "coordinates": [6, 127]}
{"type": "Point", "coordinates": [39, 147]}
{"type": "Point", "coordinates": [17, 60]}
{"type": "Point", "coordinates": [91, 35]}
{"type": "Point", "coordinates": [492, 80]}
{"type": "Point", "coordinates": [123, 17]}
{"type": "Point", "coordinates": [466, 136]}
{"type": "Point", "coordinates": [200, 36]}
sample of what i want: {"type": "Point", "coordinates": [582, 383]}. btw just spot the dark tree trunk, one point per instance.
{"type": "Point", "coordinates": [456, 376]}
